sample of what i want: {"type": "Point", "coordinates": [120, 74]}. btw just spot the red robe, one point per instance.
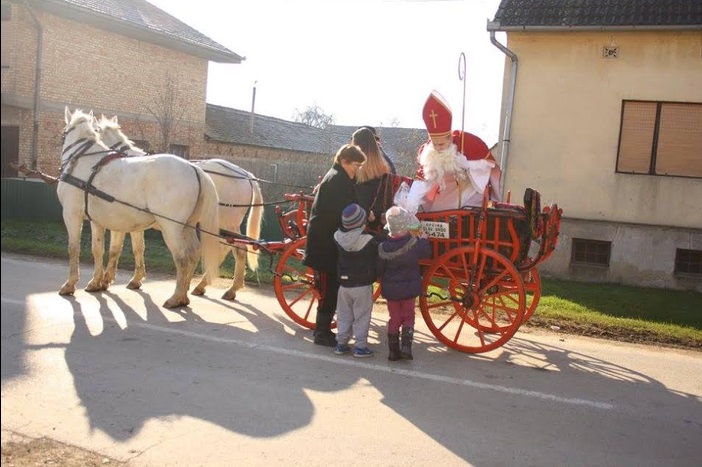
{"type": "Point", "coordinates": [473, 148]}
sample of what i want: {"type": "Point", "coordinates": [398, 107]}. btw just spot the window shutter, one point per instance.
{"type": "Point", "coordinates": [636, 141]}
{"type": "Point", "coordinates": [680, 140]}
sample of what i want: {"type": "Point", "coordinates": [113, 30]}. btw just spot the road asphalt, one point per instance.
{"type": "Point", "coordinates": [239, 383]}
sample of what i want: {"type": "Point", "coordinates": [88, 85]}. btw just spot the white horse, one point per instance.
{"type": "Point", "coordinates": [127, 194]}
{"type": "Point", "coordinates": [238, 192]}
{"type": "Point", "coordinates": [110, 134]}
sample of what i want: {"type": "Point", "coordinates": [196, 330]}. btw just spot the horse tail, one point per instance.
{"type": "Point", "coordinates": [253, 224]}
{"type": "Point", "coordinates": [209, 226]}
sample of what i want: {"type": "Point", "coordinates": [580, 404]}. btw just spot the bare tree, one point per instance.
{"type": "Point", "coordinates": [314, 116]}
{"type": "Point", "coordinates": [166, 107]}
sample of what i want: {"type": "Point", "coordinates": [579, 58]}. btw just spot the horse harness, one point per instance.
{"type": "Point", "coordinates": [238, 175]}
{"type": "Point", "coordinates": [87, 185]}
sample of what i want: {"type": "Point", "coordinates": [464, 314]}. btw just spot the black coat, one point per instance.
{"type": "Point", "coordinates": [376, 195]}
{"type": "Point", "coordinates": [357, 257]}
{"type": "Point", "coordinates": [335, 193]}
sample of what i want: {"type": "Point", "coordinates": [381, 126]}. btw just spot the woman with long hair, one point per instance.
{"type": "Point", "coordinates": [373, 180]}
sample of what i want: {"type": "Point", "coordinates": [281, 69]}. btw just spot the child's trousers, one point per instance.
{"type": "Point", "coordinates": [401, 314]}
{"type": "Point", "coordinates": [353, 314]}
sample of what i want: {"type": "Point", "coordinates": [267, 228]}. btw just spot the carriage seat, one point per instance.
{"type": "Point", "coordinates": [531, 211]}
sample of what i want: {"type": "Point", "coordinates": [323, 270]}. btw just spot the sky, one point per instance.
{"type": "Point", "coordinates": [364, 62]}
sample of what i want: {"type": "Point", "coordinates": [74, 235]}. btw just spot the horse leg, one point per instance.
{"type": "Point", "coordinates": [139, 265]}
{"type": "Point", "coordinates": [185, 248]}
{"type": "Point", "coordinates": [200, 288]}
{"type": "Point", "coordinates": [97, 246]}
{"type": "Point", "coordinates": [116, 244]}
{"type": "Point", "coordinates": [239, 253]}
{"type": "Point", "coordinates": [74, 229]}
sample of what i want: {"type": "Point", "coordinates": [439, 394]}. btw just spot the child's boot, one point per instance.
{"type": "Point", "coordinates": [394, 344]}
{"type": "Point", "coordinates": [406, 349]}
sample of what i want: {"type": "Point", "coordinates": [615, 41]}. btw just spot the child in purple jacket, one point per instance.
{"type": "Point", "coordinates": [401, 278]}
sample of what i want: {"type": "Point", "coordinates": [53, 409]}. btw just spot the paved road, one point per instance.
{"type": "Point", "coordinates": [239, 383]}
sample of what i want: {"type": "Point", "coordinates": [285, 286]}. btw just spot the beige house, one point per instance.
{"type": "Point", "coordinates": [602, 113]}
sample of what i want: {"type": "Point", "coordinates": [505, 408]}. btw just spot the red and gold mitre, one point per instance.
{"type": "Point", "coordinates": [437, 115]}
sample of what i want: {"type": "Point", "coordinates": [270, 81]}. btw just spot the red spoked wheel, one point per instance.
{"type": "Point", "coordinates": [477, 318]}
{"type": "Point", "coordinates": [294, 286]}
{"type": "Point", "coordinates": [532, 290]}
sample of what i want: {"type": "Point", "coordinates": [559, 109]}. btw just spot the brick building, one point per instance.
{"type": "Point", "coordinates": [125, 58]}
{"type": "Point", "coordinates": [130, 59]}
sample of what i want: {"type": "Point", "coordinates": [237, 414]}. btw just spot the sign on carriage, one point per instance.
{"type": "Point", "coordinates": [436, 229]}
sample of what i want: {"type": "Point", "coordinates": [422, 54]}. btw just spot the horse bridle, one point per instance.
{"type": "Point", "coordinates": [83, 144]}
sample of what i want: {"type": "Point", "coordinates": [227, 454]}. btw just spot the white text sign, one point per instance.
{"type": "Point", "coordinates": [436, 229]}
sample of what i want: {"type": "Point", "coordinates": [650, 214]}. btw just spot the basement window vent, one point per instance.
{"type": "Point", "coordinates": [586, 252]}
{"type": "Point", "coordinates": [688, 262]}
{"type": "Point", "coordinates": [610, 52]}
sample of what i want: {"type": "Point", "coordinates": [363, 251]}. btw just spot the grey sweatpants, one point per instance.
{"type": "Point", "coordinates": [353, 314]}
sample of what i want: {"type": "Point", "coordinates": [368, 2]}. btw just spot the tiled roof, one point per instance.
{"type": "Point", "coordinates": [603, 14]}
{"type": "Point", "coordinates": [141, 20]}
{"type": "Point", "coordinates": [234, 126]}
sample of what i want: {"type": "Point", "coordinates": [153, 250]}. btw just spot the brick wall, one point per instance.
{"type": "Point", "coordinates": [88, 68]}
{"type": "Point", "coordinates": [283, 171]}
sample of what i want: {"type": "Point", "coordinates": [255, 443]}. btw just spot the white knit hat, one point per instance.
{"type": "Point", "coordinates": [400, 221]}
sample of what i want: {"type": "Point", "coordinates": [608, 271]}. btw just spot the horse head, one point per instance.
{"type": "Point", "coordinates": [78, 119]}
{"type": "Point", "coordinates": [112, 135]}
{"type": "Point", "coordinates": [79, 135]}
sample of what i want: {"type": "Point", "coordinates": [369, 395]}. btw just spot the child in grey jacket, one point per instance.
{"type": "Point", "coordinates": [358, 252]}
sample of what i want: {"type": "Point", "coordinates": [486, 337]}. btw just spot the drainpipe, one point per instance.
{"type": "Point", "coordinates": [507, 131]}
{"type": "Point", "coordinates": [37, 85]}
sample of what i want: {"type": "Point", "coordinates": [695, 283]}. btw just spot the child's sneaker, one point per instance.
{"type": "Point", "coordinates": [362, 353]}
{"type": "Point", "coordinates": [342, 349]}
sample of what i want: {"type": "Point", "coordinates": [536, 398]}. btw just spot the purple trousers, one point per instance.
{"type": "Point", "coordinates": [401, 314]}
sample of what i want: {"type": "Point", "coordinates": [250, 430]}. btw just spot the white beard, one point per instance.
{"type": "Point", "coordinates": [438, 164]}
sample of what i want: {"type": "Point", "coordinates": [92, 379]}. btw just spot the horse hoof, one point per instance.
{"type": "Point", "coordinates": [67, 291]}
{"type": "Point", "coordinates": [95, 288]}
{"type": "Point", "coordinates": [198, 291]}
{"type": "Point", "coordinates": [134, 285]}
{"type": "Point", "coordinates": [173, 303]}
{"type": "Point", "coordinates": [229, 295]}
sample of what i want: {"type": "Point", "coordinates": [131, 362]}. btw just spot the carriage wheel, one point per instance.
{"type": "Point", "coordinates": [294, 286]}
{"type": "Point", "coordinates": [532, 290]}
{"type": "Point", "coordinates": [482, 318]}
{"type": "Point", "coordinates": [532, 287]}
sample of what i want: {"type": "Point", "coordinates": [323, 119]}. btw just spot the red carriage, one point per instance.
{"type": "Point", "coordinates": [481, 284]}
